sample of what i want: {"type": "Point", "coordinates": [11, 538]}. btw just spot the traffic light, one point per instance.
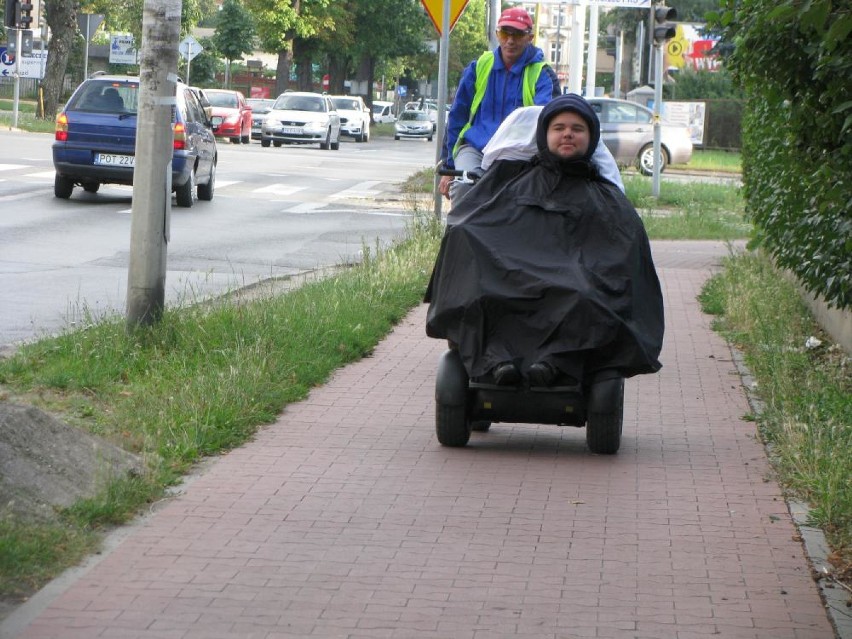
{"type": "Point", "coordinates": [25, 17]}
{"type": "Point", "coordinates": [10, 18]}
{"type": "Point", "coordinates": [610, 45]}
{"type": "Point", "coordinates": [663, 28]}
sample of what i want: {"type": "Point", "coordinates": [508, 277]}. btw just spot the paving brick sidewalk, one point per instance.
{"type": "Point", "coordinates": [346, 518]}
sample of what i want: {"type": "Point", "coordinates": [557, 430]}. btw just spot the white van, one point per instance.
{"type": "Point", "coordinates": [383, 112]}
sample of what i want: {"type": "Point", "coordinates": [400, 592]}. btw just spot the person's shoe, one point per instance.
{"type": "Point", "coordinates": [506, 374]}
{"type": "Point", "coordinates": [542, 374]}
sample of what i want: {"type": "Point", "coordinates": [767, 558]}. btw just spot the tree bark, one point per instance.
{"type": "Point", "coordinates": [62, 20]}
{"type": "Point", "coordinates": [282, 71]}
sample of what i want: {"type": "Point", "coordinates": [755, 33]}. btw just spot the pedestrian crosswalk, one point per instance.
{"type": "Point", "coordinates": [295, 196]}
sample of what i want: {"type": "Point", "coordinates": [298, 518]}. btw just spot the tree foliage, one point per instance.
{"type": "Point", "coordinates": [235, 31]}
{"type": "Point", "coordinates": [794, 61]}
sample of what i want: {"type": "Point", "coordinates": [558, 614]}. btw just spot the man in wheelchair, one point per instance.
{"type": "Point", "coordinates": [545, 275]}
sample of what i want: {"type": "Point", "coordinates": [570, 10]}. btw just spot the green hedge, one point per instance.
{"type": "Point", "coordinates": [794, 61]}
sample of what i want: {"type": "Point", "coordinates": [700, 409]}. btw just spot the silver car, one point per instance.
{"type": "Point", "coordinates": [259, 108]}
{"type": "Point", "coordinates": [302, 118]}
{"type": "Point", "coordinates": [627, 130]}
{"type": "Point", "coordinates": [414, 124]}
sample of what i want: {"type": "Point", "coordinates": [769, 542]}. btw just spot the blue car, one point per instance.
{"type": "Point", "coordinates": [95, 140]}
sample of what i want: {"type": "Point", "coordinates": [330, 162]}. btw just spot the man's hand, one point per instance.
{"type": "Point", "coordinates": [444, 186]}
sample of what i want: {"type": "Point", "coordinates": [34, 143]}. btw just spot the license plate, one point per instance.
{"type": "Point", "coordinates": [291, 130]}
{"type": "Point", "coordinates": [111, 159]}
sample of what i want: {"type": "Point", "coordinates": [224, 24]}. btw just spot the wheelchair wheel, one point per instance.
{"type": "Point", "coordinates": [605, 417]}
{"type": "Point", "coordinates": [452, 424]}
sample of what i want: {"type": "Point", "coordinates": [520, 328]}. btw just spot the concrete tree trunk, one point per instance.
{"type": "Point", "coordinates": [152, 175]}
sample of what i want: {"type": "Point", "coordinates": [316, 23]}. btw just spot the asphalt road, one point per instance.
{"type": "Point", "coordinates": [275, 213]}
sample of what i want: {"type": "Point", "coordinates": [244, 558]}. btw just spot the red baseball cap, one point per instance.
{"type": "Point", "coordinates": [515, 18]}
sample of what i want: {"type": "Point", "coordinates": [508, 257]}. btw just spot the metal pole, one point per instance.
{"type": "Point", "coordinates": [86, 57]}
{"type": "Point", "coordinates": [619, 61]}
{"type": "Point", "coordinates": [575, 61]}
{"type": "Point", "coordinates": [592, 54]}
{"type": "Point", "coordinates": [658, 109]}
{"type": "Point", "coordinates": [152, 175]}
{"type": "Point", "coordinates": [443, 62]}
{"type": "Point", "coordinates": [17, 91]}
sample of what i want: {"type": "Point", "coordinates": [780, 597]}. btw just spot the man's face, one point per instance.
{"type": "Point", "coordinates": [568, 135]}
{"type": "Point", "coordinates": [512, 43]}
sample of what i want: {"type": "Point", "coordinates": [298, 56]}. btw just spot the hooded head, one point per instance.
{"type": "Point", "coordinates": [569, 102]}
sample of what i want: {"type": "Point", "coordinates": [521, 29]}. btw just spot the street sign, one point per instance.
{"type": "Point", "coordinates": [32, 66]}
{"type": "Point", "coordinates": [435, 9]}
{"type": "Point", "coordinates": [122, 49]}
{"type": "Point", "coordinates": [189, 47]}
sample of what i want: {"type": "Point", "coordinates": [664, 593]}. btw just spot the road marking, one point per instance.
{"type": "Point", "coordinates": [12, 167]}
{"type": "Point", "coordinates": [280, 189]}
{"type": "Point", "coordinates": [305, 207]}
{"type": "Point", "coordinates": [221, 184]}
{"type": "Point", "coordinates": [44, 175]}
{"type": "Point", "coordinates": [364, 189]}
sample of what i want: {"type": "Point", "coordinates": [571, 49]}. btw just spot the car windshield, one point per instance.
{"type": "Point", "coordinates": [346, 104]}
{"type": "Point", "coordinates": [414, 115]}
{"type": "Point", "coordinates": [299, 103]}
{"type": "Point", "coordinates": [260, 105]}
{"type": "Point", "coordinates": [226, 100]}
{"type": "Point", "coordinates": [104, 96]}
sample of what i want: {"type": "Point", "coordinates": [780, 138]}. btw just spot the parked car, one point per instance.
{"type": "Point", "coordinates": [627, 130]}
{"type": "Point", "coordinates": [259, 108]}
{"type": "Point", "coordinates": [231, 115]}
{"type": "Point", "coordinates": [95, 140]}
{"type": "Point", "coordinates": [354, 116]}
{"type": "Point", "coordinates": [383, 112]}
{"type": "Point", "coordinates": [302, 118]}
{"type": "Point", "coordinates": [414, 124]}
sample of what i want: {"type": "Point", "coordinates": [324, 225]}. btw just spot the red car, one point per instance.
{"type": "Point", "coordinates": [231, 115]}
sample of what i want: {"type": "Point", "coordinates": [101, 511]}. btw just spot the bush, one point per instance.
{"type": "Point", "coordinates": [794, 61]}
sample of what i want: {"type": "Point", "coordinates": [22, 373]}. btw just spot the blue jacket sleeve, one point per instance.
{"type": "Point", "coordinates": [459, 113]}
{"type": "Point", "coordinates": [547, 86]}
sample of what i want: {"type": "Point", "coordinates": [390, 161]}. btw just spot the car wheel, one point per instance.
{"type": "Point", "coordinates": [205, 191]}
{"type": "Point", "coordinates": [265, 143]}
{"type": "Point", "coordinates": [277, 145]}
{"type": "Point", "coordinates": [185, 195]}
{"type": "Point", "coordinates": [62, 186]}
{"type": "Point", "coordinates": [646, 160]}
{"type": "Point", "coordinates": [396, 137]}
{"type": "Point", "coordinates": [429, 138]}
{"type": "Point", "coordinates": [324, 145]}
{"type": "Point", "coordinates": [91, 187]}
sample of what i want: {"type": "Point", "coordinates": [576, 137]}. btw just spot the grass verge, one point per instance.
{"type": "Point", "coordinates": [805, 388]}
{"type": "Point", "coordinates": [198, 383]}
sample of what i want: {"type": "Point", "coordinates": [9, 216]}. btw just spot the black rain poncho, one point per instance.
{"type": "Point", "coordinates": [544, 260]}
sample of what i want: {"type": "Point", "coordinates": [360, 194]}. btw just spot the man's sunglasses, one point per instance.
{"type": "Point", "coordinates": [511, 33]}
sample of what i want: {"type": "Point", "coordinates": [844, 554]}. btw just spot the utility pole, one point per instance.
{"type": "Point", "coordinates": [152, 174]}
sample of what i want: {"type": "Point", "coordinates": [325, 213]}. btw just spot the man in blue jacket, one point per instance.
{"type": "Point", "coordinates": [512, 75]}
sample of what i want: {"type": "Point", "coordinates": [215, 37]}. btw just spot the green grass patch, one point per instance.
{"type": "Point", "coordinates": [26, 122]}
{"type": "Point", "coordinates": [807, 419]}
{"type": "Point", "coordinates": [713, 160]}
{"type": "Point", "coordinates": [689, 210]}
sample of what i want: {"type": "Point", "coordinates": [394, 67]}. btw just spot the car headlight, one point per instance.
{"type": "Point", "coordinates": [316, 126]}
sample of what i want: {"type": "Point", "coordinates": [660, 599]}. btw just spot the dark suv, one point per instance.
{"type": "Point", "coordinates": [95, 140]}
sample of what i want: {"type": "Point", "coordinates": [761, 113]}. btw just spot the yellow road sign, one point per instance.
{"type": "Point", "coordinates": [435, 9]}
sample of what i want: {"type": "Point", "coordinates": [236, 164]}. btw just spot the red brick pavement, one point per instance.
{"type": "Point", "coordinates": [346, 518]}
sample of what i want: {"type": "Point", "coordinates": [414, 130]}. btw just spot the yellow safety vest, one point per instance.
{"type": "Point", "coordinates": [483, 69]}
